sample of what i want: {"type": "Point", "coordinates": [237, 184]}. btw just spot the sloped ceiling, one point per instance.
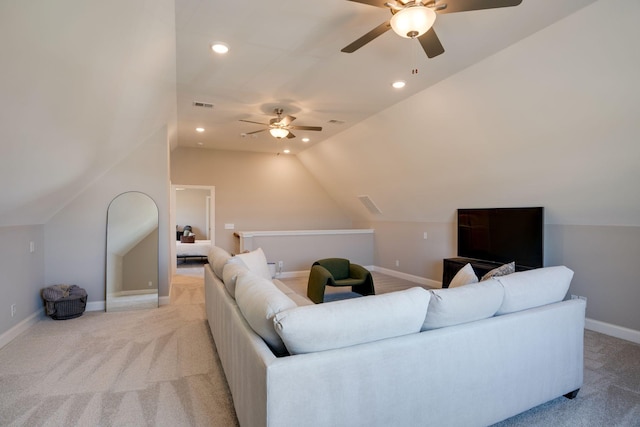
{"type": "Point", "coordinates": [287, 54]}
{"type": "Point", "coordinates": [551, 121]}
{"type": "Point", "coordinates": [81, 84]}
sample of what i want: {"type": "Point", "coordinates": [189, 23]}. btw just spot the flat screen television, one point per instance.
{"type": "Point", "coordinates": [502, 235]}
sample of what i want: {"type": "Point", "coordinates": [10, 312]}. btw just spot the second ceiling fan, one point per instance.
{"type": "Point", "coordinates": [280, 127]}
{"type": "Point", "coordinates": [415, 18]}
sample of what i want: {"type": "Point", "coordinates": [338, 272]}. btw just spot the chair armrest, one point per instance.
{"type": "Point", "coordinates": [358, 272]}
{"type": "Point", "coordinates": [319, 277]}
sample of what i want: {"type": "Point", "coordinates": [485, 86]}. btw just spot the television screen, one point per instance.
{"type": "Point", "coordinates": [502, 235]}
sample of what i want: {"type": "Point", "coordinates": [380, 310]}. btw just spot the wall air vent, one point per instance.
{"type": "Point", "coordinates": [368, 203]}
{"type": "Point", "coordinates": [202, 104]}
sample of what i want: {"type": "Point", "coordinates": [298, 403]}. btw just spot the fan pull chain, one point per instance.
{"type": "Point", "coordinates": [414, 58]}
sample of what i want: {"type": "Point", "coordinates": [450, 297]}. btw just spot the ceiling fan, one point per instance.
{"type": "Point", "coordinates": [414, 19]}
{"type": "Point", "coordinates": [280, 127]}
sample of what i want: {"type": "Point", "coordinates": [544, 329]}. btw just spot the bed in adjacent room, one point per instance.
{"type": "Point", "coordinates": [197, 249]}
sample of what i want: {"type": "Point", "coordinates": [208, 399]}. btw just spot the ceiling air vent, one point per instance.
{"type": "Point", "coordinates": [202, 104]}
{"type": "Point", "coordinates": [336, 122]}
{"type": "Point", "coordinates": [368, 203]}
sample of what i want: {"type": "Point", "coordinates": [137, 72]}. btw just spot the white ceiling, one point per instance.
{"type": "Point", "coordinates": [287, 55]}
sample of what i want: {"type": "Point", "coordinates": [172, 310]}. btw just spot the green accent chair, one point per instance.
{"type": "Point", "coordinates": [338, 272]}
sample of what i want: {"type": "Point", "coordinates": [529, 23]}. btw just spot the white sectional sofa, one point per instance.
{"type": "Point", "coordinates": [467, 356]}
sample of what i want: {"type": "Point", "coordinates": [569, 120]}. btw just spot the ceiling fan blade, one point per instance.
{"type": "Point", "coordinates": [378, 31]}
{"type": "Point", "coordinates": [431, 43]}
{"type": "Point", "coordinates": [290, 135]}
{"type": "Point", "coordinates": [305, 127]}
{"type": "Point", "coordinates": [466, 5]}
{"type": "Point", "coordinates": [376, 3]}
{"type": "Point", "coordinates": [255, 131]}
{"type": "Point", "coordinates": [256, 123]}
{"type": "Point", "coordinates": [286, 120]}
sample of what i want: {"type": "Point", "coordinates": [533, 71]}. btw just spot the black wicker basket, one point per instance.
{"type": "Point", "coordinates": [64, 301]}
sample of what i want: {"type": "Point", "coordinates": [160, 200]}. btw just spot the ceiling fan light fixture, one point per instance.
{"type": "Point", "coordinates": [413, 21]}
{"type": "Point", "coordinates": [279, 132]}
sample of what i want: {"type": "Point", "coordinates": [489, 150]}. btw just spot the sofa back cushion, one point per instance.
{"type": "Point", "coordinates": [354, 321]}
{"type": "Point", "coordinates": [259, 300]}
{"type": "Point", "coordinates": [217, 259]}
{"type": "Point", "coordinates": [533, 288]}
{"type": "Point", "coordinates": [233, 268]}
{"type": "Point", "coordinates": [463, 304]}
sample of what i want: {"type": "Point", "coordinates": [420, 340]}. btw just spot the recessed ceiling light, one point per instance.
{"type": "Point", "coordinates": [287, 151]}
{"type": "Point", "coordinates": [399, 84]}
{"type": "Point", "coordinates": [305, 139]}
{"type": "Point", "coordinates": [219, 47]}
{"type": "Point", "coordinates": [200, 143]}
{"type": "Point", "coordinates": [200, 130]}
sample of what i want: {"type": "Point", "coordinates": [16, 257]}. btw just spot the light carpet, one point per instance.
{"type": "Point", "coordinates": [159, 367]}
{"type": "Point", "coordinates": [153, 367]}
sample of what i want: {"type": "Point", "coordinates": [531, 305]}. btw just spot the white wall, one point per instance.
{"type": "Point", "coordinates": [551, 121]}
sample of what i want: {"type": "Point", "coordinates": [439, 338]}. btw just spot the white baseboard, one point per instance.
{"type": "Point", "coordinates": [613, 330]}
{"type": "Point", "coordinates": [291, 274]}
{"type": "Point", "coordinates": [100, 305]}
{"type": "Point", "coordinates": [95, 306]}
{"type": "Point", "coordinates": [20, 328]}
{"type": "Point", "coordinates": [410, 277]}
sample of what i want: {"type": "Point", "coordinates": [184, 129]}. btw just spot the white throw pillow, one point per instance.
{"type": "Point", "coordinates": [464, 276]}
{"type": "Point", "coordinates": [217, 259]}
{"type": "Point", "coordinates": [232, 269]}
{"type": "Point", "coordinates": [534, 288]}
{"type": "Point", "coordinates": [259, 300]}
{"type": "Point", "coordinates": [476, 301]}
{"type": "Point", "coordinates": [349, 322]}
{"type": "Point", "coordinates": [256, 262]}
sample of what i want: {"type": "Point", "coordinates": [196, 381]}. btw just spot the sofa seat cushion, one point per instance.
{"type": "Point", "coordinates": [534, 288]}
{"type": "Point", "coordinates": [259, 300]}
{"type": "Point", "coordinates": [349, 322]}
{"type": "Point", "coordinates": [463, 304]}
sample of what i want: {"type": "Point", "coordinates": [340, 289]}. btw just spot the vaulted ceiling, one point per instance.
{"type": "Point", "coordinates": [82, 83]}
{"type": "Point", "coordinates": [288, 55]}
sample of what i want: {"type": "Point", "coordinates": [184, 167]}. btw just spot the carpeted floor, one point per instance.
{"type": "Point", "coordinates": [153, 367]}
{"type": "Point", "coordinates": [159, 367]}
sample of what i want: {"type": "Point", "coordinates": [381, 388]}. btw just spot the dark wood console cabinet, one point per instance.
{"type": "Point", "coordinates": [453, 265]}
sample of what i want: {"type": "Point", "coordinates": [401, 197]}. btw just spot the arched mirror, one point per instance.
{"type": "Point", "coordinates": [132, 253]}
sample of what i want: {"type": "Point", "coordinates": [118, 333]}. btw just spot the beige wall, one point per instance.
{"type": "Point", "coordinates": [139, 265]}
{"type": "Point", "coordinates": [76, 236]}
{"type": "Point", "coordinates": [191, 210]}
{"type": "Point", "coordinates": [22, 275]}
{"type": "Point", "coordinates": [257, 191]}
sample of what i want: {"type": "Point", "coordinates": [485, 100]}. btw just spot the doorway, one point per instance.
{"type": "Point", "coordinates": [200, 213]}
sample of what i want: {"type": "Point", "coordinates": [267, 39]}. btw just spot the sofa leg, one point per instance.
{"type": "Point", "coordinates": [573, 394]}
